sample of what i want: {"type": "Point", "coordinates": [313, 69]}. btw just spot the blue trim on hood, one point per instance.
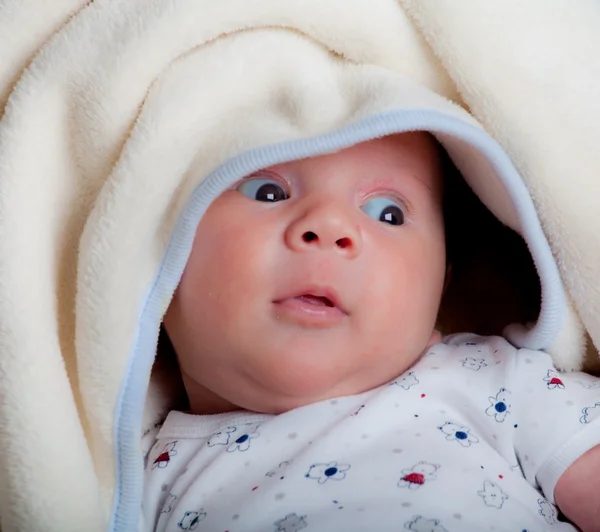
{"type": "Point", "coordinates": [127, 503]}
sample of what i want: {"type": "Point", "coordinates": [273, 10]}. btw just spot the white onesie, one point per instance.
{"type": "Point", "coordinates": [472, 438]}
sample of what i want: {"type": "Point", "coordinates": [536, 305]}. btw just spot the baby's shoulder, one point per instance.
{"type": "Point", "coordinates": [495, 347]}
{"type": "Point", "coordinates": [484, 357]}
{"type": "Point", "coordinates": [472, 347]}
{"type": "Point", "coordinates": [471, 341]}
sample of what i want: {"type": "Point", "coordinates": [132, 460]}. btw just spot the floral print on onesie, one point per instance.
{"type": "Point", "coordinates": [456, 444]}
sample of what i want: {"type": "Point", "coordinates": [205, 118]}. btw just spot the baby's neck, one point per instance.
{"type": "Point", "coordinates": [204, 402]}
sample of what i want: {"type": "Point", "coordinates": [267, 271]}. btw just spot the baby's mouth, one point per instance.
{"type": "Point", "coordinates": [319, 301]}
{"type": "Point", "coordinates": [314, 306]}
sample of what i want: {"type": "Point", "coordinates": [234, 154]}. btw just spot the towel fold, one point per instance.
{"type": "Point", "coordinates": [112, 113]}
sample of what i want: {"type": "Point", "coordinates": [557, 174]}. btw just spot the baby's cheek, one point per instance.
{"type": "Point", "coordinates": [398, 324]}
{"type": "Point", "coordinates": [388, 303]}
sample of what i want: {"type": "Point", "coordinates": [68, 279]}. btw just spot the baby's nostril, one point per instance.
{"type": "Point", "coordinates": [344, 242]}
{"type": "Point", "coordinates": [309, 236]}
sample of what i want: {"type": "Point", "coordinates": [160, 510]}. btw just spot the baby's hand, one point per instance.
{"type": "Point", "coordinates": [577, 491]}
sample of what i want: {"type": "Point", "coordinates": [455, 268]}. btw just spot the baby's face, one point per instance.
{"type": "Point", "coordinates": [313, 279]}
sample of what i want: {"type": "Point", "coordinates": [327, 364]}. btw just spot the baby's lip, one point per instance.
{"type": "Point", "coordinates": [323, 295]}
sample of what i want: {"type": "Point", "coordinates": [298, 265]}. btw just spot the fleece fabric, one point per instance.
{"type": "Point", "coordinates": [121, 120]}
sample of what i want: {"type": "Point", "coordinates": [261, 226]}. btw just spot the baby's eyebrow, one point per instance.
{"type": "Point", "coordinates": [422, 183]}
{"type": "Point", "coordinates": [414, 178]}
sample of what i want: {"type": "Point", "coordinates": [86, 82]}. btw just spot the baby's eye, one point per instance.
{"type": "Point", "coordinates": [262, 190]}
{"type": "Point", "coordinates": [384, 210]}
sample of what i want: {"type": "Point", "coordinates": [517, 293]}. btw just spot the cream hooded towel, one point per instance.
{"type": "Point", "coordinates": [113, 112]}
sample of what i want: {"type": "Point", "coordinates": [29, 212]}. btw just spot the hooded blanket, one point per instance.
{"type": "Point", "coordinates": [122, 120]}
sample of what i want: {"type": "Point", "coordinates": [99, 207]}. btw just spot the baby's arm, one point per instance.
{"type": "Point", "coordinates": [558, 436]}
{"type": "Point", "coordinates": [577, 492]}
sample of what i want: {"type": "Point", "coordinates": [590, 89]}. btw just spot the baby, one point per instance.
{"type": "Point", "coordinates": [321, 395]}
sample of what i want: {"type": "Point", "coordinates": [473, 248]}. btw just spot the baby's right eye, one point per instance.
{"type": "Point", "coordinates": [262, 190]}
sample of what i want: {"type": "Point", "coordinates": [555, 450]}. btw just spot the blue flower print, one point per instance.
{"type": "Point", "coordinates": [420, 524]}
{"type": "Point", "coordinates": [222, 437]}
{"type": "Point", "coordinates": [191, 520]}
{"type": "Point", "coordinates": [590, 413]}
{"type": "Point", "coordinates": [547, 511]}
{"type": "Point", "coordinates": [474, 363]}
{"type": "Point", "coordinates": [325, 472]}
{"type": "Point", "coordinates": [499, 406]}
{"type": "Point", "coordinates": [407, 381]}
{"type": "Point", "coordinates": [242, 443]}
{"type": "Point", "coordinates": [291, 523]}
{"type": "Point", "coordinates": [459, 433]}
{"type": "Point", "coordinates": [492, 495]}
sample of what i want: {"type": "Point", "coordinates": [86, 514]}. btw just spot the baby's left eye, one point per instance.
{"type": "Point", "coordinates": [384, 210]}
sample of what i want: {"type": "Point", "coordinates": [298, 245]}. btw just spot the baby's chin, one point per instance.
{"type": "Point", "coordinates": [269, 379]}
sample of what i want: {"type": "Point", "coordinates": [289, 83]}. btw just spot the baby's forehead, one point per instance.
{"type": "Point", "coordinates": [417, 153]}
{"type": "Point", "coordinates": [416, 143]}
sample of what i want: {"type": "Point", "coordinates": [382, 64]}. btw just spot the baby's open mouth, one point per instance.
{"type": "Point", "coordinates": [320, 301]}
{"type": "Point", "coordinates": [317, 304]}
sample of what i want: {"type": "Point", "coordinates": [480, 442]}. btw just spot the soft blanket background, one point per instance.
{"type": "Point", "coordinates": [75, 77]}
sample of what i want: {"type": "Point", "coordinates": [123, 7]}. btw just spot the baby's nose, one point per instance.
{"type": "Point", "coordinates": [325, 229]}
